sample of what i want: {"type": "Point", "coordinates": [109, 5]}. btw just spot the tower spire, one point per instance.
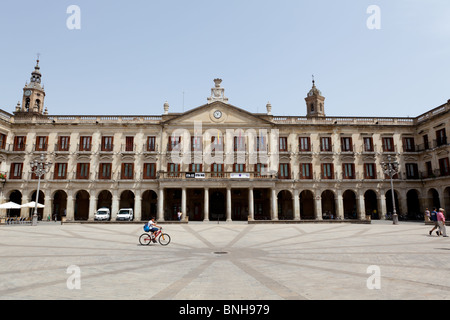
{"type": "Point", "coordinates": [33, 92]}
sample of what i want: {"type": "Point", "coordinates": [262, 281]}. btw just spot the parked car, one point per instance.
{"type": "Point", "coordinates": [125, 214]}
{"type": "Point", "coordinates": [102, 214]}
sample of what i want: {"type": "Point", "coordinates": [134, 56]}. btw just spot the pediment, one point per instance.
{"type": "Point", "coordinates": [218, 113]}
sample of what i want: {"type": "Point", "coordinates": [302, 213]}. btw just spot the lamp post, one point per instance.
{"type": "Point", "coordinates": [391, 169]}
{"type": "Point", "coordinates": [39, 168]}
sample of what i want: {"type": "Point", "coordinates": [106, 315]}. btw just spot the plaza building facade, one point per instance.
{"type": "Point", "coordinates": [221, 162]}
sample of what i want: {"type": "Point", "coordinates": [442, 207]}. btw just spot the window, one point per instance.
{"type": "Point", "coordinates": [368, 144]}
{"type": "Point", "coordinates": [41, 143]}
{"type": "Point", "coordinates": [426, 142]}
{"type": "Point", "coordinates": [346, 144]}
{"type": "Point", "coordinates": [105, 171]}
{"type": "Point", "coordinates": [284, 171]}
{"type": "Point", "coordinates": [388, 144]}
{"type": "Point", "coordinates": [60, 171]}
{"type": "Point", "coordinates": [16, 171]}
{"type": "Point", "coordinates": [305, 171]}
{"type": "Point", "coordinates": [444, 167]}
{"type": "Point", "coordinates": [129, 144]}
{"type": "Point", "coordinates": [441, 138]}
{"type": "Point", "coordinates": [83, 171]}
{"type": "Point", "coordinates": [151, 144]}
{"type": "Point", "coordinates": [260, 170]}
{"type": "Point", "coordinates": [85, 143]}
{"type": "Point", "coordinates": [325, 144]}
{"type": "Point", "coordinates": [348, 171]}
{"type": "Point", "coordinates": [369, 171]}
{"type": "Point", "coordinates": [412, 171]}
{"type": "Point", "coordinates": [63, 143]}
{"type": "Point", "coordinates": [408, 144]}
{"type": "Point", "coordinates": [195, 167]}
{"type": "Point", "coordinates": [2, 141]}
{"type": "Point", "coordinates": [196, 144]}
{"type": "Point", "coordinates": [327, 171]}
{"type": "Point", "coordinates": [283, 144]}
{"type": "Point", "coordinates": [173, 170]}
{"type": "Point", "coordinates": [149, 171]}
{"type": "Point", "coordinates": [217, 170]}
{"type": "Point", "coordinates": [304, 144]}
{"type": "Point", "coordinates": [107, 143]}
{"type": "Point", "coordinates": [19, 143]}
{"type": "Point", "coordinates": [239, 167]}
{"type": "Point", "coordinates": [174, 143]}
{"type": "Point", "coordinates": [127, 171]}
{"type": "Point", "coordinates": [239, 143]}
{"type": "Point", "coordinates": [429, 169]}
{"type": "Point", "coordinates": [261, 143]}
{"type": "Point", "coordinates": [217, 143]}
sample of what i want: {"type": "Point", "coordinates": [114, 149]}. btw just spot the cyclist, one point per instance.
{"type": "Point", "coordinates": [153, 228]}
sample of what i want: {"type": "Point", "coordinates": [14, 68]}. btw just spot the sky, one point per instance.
{"type": "Point", "coordinates": [129, 57]}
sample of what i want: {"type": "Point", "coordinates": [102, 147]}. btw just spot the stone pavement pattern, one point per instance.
{"type": "Point", "coordinates": [263, 262]}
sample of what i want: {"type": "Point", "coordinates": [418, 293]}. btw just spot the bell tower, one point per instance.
{"type": "Point", "coordinates": [33, 94]}
{"type": "Point", "coordinates": [315, 102]}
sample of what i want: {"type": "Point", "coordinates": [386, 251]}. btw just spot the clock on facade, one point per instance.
{"type": "Point", "coordinates": [217, 114]}
{"type": "Point", "coordinates": [28, 93]}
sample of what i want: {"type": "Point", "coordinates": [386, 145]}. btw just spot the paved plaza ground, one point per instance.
{"type": "Point", "coordinates": [226, 261]}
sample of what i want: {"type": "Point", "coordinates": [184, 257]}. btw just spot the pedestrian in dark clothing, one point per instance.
{"type": "Point", "coordinates": [433, 217]}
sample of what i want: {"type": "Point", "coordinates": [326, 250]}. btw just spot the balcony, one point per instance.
{"type": "Point", "coordinates": [61, 148]}
{"type": "Point", "coordinates": [43, 147]}
{"type": "Point", "coordinates": [368, 150]}
{"type": "Point", "coordinates": [128, 148]}
{"type": "Point", "coordinates": [442, 141]}
{"type": "Point", "coordinates": [84, 148]}
{"type": "Point", "coordinates": [216, 176]}
{"type": "Point", "coordinates": [150, 149]}
{"type": "Point", "coordinates": [107, 148]}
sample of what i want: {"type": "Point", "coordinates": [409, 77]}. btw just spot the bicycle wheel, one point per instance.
{"type": "Point", "coordinates": [164, 239]}
{"type": "Point", "coordinates": [145, 239]}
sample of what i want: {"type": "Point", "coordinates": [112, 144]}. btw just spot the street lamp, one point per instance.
{"type": "Point", "coordinates": [39, 168]}
{"type": "Point", "coordinates": [391, 169]}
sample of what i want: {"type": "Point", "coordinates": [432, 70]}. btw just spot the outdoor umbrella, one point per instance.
{"type": "Point", "coordinates": [32, 204]}
{"type": "Point", "coordinates": [10, 205]}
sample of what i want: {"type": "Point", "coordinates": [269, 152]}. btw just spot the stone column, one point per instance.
{"type": "Point", "coordinates": [361, 207]}
{"type": "Point", "coordinates": [296, 205]}
{"type": "Point", "coordinates": [183, 203]}
{"type": "Point", "coordinates": [25, 212]}
{"type": "Point", "coordinates": [340, 205]}
{"type": "Point", "coordinates": [48, 208]}
{"type": "Point", "coordinates": [114, 205]}
{"type": "Point", "coordinates": [229, 204]}
{"type": "Point", "coordinates": [274, 205]}
{"type": "Point", "coordinates": [251, 205]}
{"type": "Point", "coordinates": [318, 212]}
{"type": "Point", "coordinates": [160, 216]}
{"type": "Point", "coordinates": [206, 209]}
{"type": "Point", "coordinates": [92, 207]}
{"type": "Point", "coordinates": [382, 206]}
{"type": "Point", "coordinates": [137, 206]}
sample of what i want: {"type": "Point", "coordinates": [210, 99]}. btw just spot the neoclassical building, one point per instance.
{"type": "Point", "coordinates": [221, 162]}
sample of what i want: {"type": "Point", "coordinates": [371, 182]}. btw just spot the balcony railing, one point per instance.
{"type": "Point", "coordinates": [217, 175]}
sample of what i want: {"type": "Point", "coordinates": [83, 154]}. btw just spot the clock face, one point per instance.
{"type": "Point", "coordinates": [217, 114]}
{"type": "Point", "coordinates": [28, 93]}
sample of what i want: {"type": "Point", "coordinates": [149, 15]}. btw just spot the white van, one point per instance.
{"type": "Point", "coordinates": [125, 214]}
{"type": "Point", "coordinates": [102, 214]}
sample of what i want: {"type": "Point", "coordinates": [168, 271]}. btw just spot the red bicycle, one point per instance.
{"type": "Point", "coordinates": [163, 238]}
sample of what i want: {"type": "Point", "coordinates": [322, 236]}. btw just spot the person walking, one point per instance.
{"type": "Point", "coordinates": [427, 215]}
{"type": "Point", "coordinates": [433, 217]}
{"type": "Point", "coordinates": [441, 222]}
